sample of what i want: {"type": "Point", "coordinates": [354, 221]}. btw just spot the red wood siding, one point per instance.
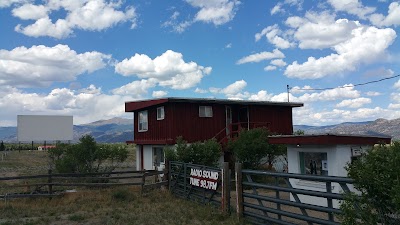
{"type": "Point", "coordinates": [187, 123]}
{"type": "Point", "coordinates": [280, 118]}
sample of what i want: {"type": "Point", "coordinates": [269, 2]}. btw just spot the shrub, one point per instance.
{"type": "Point", "coordinates": [376, 176]}
{"type": "Point", "coordinates": [87, 156]}
{"type": "Point", "coordinates": [252, 145]}
{"type": "Point", "coordinates": [203, 153]}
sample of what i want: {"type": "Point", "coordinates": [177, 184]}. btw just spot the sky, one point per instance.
{"type": "Point", "coordinates": [86, 58]}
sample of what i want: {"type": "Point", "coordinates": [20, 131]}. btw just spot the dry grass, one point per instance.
{"type": "Point", "coordinates": [123, 205]}
{"type": "Point", "coordinates": [111, 206]}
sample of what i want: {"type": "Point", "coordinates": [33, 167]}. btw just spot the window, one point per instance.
{"type": "Point", "coordinates": [143, 122]}
{"type": "Point", "coordinates": [158, 156]}
{"type": "Point", "coordinates": [314, 163]}
{"type": "Point", "coordinates": [205, 111]}
{"type": "Point", "coordinates": [160, 113]}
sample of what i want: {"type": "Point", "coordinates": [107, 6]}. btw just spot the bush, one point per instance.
{"type": "Point", "coordinates": [252, 145]}
{"type": "Point", "coordinates": [203, 153]}
{"type": "Point", "coordinates": [376, 176]}
{"type": "Point", "coordinates": [87, 156]}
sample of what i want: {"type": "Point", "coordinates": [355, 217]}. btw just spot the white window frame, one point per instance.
{"type": "Point", "coordinates": [143, 125]}
{"type": "Point", "coordinates": [161, 115]}
{"type": "Point", "coordinates": [205, 111]}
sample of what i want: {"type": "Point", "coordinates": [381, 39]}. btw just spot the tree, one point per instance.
{"type": "Point", "coordinates": [2, 147]}
{"type": "Point", "coordinates": [252, 145]}
{"type": "Point", "coordinates": [299, 132]}
{"type": "Point", "coordinates": [87, 156]}
{"type": "Point", "coordinates": [203, 153]}
{"type": "Point", "coordinates": [376, 176]}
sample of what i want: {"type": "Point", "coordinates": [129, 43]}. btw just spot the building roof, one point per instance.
{"type": "Point", "coordinates": [328, 139]}
{"type": "Point", "coordinates": [142, 104]}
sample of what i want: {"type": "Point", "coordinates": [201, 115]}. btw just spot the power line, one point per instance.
{"type": "Point", "coordinates": [345, 86]}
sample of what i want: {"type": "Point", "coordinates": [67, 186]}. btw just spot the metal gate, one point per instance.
{"type": "Point", "coordinates": [202, 184]}
{"type": "Point", "coordinates": [270, 198]}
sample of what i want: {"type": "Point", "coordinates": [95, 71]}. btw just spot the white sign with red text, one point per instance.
{"type": "Point", "coordinates": [204, 178]}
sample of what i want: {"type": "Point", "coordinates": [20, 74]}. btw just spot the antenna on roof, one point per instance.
{"type": "Point", "coordinates": [287, 88]}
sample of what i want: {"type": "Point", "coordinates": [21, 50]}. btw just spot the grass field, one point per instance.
{"type": "Point", "coordinates": [122, 205]}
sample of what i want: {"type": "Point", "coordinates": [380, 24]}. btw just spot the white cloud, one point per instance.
{"type": "Point", "coordinates": [330, 95]}
{"type": "Point", "coordinates": [217, 12]}
{"type": "Point", "coordinates": [8, 3]}
{"type": "Point", "coordinates": [272, 33]}
{"type": "Point", "coordinates": [258, 57]}
{"type": "Point", "coordinates": [168, 69]}
{"type": "Point", "coordinates": [366, 45]}
{"type": "Point", "coordinates": [297, 89]}
{"type": "Point", "coordinates": [373, 93]}
{"type": "Point", "coordinates": [159, 94]}
{"type": "Point", "coordinates": [229, 45]}
{"type": "Point", "coordinates": [321, 30]}
{"type": "Point", "coordinates": [354, 7]}
{"type": "Point", "coordinates": [30, 12]}
{"type": "Point", "coordinates": [41, 65]}
{"type": "Point", "coordinates": [138, 88]}
{"type": "Point", "coordinates": [278, 62]}
{"type": "Point", "coordinates": [232, 91]}
{"type": "Point", "coordinates": [393, 17]}
{"type": "Point", "coordinates": [270, 68]}
{"type": "Point", "coordinates": [86, 105]}
{"type": "Point", "coordinates": [200, 91]}
{"type": "Point", "coordinates": [261, 96]}
{"type": "Point", "coordinates": [354, 103]}
{"type": "Point", "coordinates": [277, 9]}
{"type": "Point", "coordinates": [92, 15]}
{"type": "Point", "coordinates": [397, 84]}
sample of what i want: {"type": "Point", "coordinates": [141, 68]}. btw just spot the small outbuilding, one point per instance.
{"type": "Point", "coordinates": [325, 154]}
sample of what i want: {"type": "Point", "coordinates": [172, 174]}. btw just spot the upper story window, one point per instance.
{"type": "Point", "coordinates": [160, 113]}
{"type": "Point", "coordinates": [143, 121]}
{"type": "Point", "coordinates": [205, 111]}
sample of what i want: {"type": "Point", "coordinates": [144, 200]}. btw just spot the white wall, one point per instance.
{"type": "Point", "coordinates": [337, 156]}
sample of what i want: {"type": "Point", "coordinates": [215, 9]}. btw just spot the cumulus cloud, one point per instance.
{"type": "Point", "coordinates": [200, 91]}
{"type": "Point", "coordinates": [270, 68]}
{"type": "Point", "coordinates": [138, 88]}
{"type": "Point", "coordinates": [354, 103]}
{"type": "Point", "coordinates": [397, 85]}
{"type": "Point", "coordinates": [392, 19]}
{"type": "Point", "coordinates": [232, 91]}
{"type": "Point", "coordinates": [86, 105]}
{"type": "Point", "coordinates": [366, 45]}
{"type": "Point", "coordinates": [261, 96]}
{"type": "Point", "coordinates": [217, 12]}
{"type": "Point", "coordinates": [258, 57]}
{"type": "Point", "coordinates": [278, 62]}
{"type": "Point", "coordinates": [168, 69]}
{"type": "Point", "coordinates": [321, 30]}
{"type": "Point", "coordinates": [373, 93]}
{"type": "Point", "coordinates": [41, 65]}
{"type": "Point", "coordinates": [8, 3]}
{"type": "Point", "coordinates": [159, 94]}
{"type": "Point", "coordinates": [273, 35]}
{"type": "Point", "coordinates": [354, 7]}
{"type": "Point", "coordinates": [330, 95]}
{"type": "Point", "coordinates": [92, 15]}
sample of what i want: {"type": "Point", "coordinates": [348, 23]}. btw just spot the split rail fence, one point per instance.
{"type": "Point", "coordinates": [53, 184]}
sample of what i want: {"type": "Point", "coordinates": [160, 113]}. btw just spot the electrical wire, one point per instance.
{"type": "Point", "coordinates": [345, 86]}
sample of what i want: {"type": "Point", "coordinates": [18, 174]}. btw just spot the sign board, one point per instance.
{"type": "Point", "coordinates": [356, 151]}
{"type": "Point", "coordinates": [204, 178]}
{"type": "Point", "coordinates": [44, 128]}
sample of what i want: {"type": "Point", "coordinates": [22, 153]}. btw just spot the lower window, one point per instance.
{"type": "Point", "coordinates": [158, 155]}
{"type": "Point", "coordinates": [314, 163]}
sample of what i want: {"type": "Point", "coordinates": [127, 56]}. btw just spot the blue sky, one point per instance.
{"type": "Point", "coordinates": [86, 58]}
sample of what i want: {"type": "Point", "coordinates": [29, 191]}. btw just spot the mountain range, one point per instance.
{"type": "Point", "coordinates": [121, 129]}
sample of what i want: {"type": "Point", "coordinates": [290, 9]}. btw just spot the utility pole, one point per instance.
{"type": "Point", "coordinates": [287, 88]}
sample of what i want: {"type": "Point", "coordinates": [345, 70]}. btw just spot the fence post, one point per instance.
{"type": "Point", "coordinates": [329, 199]}
{"type": "Point", "coordinates": [49, 181]}
{"type": "Point", "coordinates": [225, 188]}
{"type": "Point", "coordinates": [239, 189]}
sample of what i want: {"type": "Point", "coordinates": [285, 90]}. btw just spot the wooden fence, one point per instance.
{"type": "Point", "coordinates": [53, 184]}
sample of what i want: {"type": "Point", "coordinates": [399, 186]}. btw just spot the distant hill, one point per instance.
{"type": "Point", "coordinates": [379, 127]}
{"type": "Point", "coordinates": [121, 130]}
{"type": "Point", "coordinates": [105, 131]}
